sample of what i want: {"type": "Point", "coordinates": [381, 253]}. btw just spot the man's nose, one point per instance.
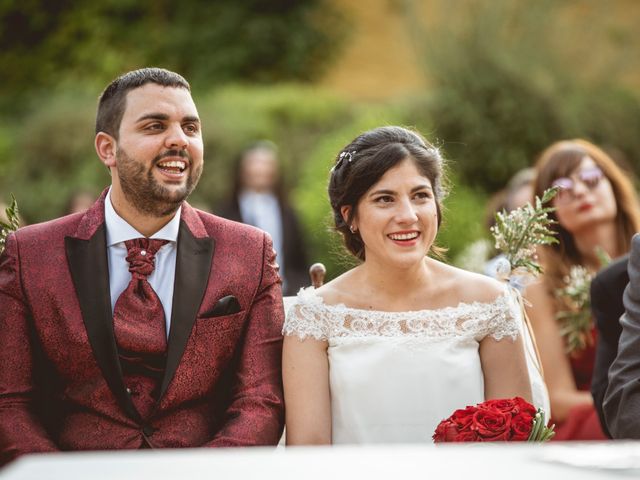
{"type": "Point", "coordinates": [176, 138]}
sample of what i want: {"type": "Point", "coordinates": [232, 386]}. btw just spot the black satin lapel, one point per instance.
{"type": "Point", "coordinates": [193, 265]}
{"type": "Point", "coordinates": [90, 272]}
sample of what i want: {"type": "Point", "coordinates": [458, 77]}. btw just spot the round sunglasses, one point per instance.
{"type": "Point", "coordinates": [590, 177]}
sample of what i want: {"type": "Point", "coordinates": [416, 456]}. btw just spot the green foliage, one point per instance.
{"type": "Point", "coordinates": [47, 43]}
{"type": "Point", "coordinates": [540, 431]}
{"type": "Point", "coordinates": [463, 217]}
{"type": "Point", "coordinates": [12, 223]}
{"type": "Point", "coordinates": [52, 156]}
{"type": "Point", "coordinates": [510, 78]}
{"type": "Point", "coordinates": [294, 117]}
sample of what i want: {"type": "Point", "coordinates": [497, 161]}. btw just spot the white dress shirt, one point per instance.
{"type": "Point", "coordinates": [162, 277]}
{"type": "Point", "coordinates": [262, 210]}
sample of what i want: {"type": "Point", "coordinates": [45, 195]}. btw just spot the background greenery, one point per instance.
{"type": "Point", "coordinates": [507, 79]}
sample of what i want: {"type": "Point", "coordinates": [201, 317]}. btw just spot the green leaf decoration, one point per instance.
{"type": "Point", "coordinates": [519, 232]}
{"type": "Point", "coordinates": [540, 431]}
{"type": "Point", "coordinates": [13, 222]}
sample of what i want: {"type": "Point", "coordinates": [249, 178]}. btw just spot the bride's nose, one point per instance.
{"type": "Point", "coordinates": [406, 212]}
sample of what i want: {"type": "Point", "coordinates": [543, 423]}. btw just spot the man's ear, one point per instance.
{"type": "Point", "coordinates": [106, 149]}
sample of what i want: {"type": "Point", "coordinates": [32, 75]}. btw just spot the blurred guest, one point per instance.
{"type": "Point", "coordinates": [258, 199]}
{"type": "Point", "coordinates": [517, 193]}
{"type": "Point", "coordinates": [597, 213]}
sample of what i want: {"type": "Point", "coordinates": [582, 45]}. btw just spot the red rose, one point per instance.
{"type": "Point", "coordinates": [467, 436]}
{"type": "Point", "coordinates": [525, 406]}
{"type": "Point", "coordinates": [492, 425]}
{"type": "Point", "coordinates": [490, 421]}
{"type": "Point", "coordinates": [502, 404]}
{"type": "Point", "coordinates": [521, 426]}
{"type": "Point", "coordinates": [446, 431]}
{"type": "Point", "coordinates": [513, 405]}
{"type": "Point", "coordinates": [463, 418]}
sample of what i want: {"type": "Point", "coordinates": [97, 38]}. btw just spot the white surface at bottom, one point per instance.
{"type": "Point", "coordinates": [471, 461]}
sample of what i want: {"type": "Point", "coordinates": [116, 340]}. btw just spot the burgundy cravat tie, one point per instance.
{"type": "Point", "coordinates": [139, 327]}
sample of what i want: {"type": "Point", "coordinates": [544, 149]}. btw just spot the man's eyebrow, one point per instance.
{"type": "Point", "coordinates": [164, 116]}
{"type": "Point", "coordinates": [153, 116]}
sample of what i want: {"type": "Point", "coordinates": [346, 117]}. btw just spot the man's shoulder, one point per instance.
{"type": "Point", "coordinates": [51, 229]}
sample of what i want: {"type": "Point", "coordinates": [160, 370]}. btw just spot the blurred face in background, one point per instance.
{"type": "Point", "coordinates": [259, 170]}
{"type": "Point", "coordinates": [520, 197]}
{"type": "Point", "coordinates": [585, 198]}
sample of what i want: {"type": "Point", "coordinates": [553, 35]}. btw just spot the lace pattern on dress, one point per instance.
{"type": "Point", "coordinates": [311, 317]}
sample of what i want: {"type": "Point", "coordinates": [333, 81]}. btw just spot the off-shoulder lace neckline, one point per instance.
{"type": "Point", "coordinates": [311, 316]}
{"type": "Point", "coordinates": [310, 294]}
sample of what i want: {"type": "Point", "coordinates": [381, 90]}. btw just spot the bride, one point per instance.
{"type": "Point", "coordinates": [388, 349]}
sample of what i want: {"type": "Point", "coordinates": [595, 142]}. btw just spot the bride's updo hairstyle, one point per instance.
{"type": "Point", "coordinates": [364, 161]}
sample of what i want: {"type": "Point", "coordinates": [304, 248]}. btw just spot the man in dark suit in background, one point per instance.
{"type": "Point", "coordinates": [258, 198]}
{"type": "Point", "coordinates": [607, 289]}
{"type": "Point", "coordinates": [142, 322]}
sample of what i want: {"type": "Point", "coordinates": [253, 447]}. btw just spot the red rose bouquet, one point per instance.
{"type": "Point", "coordinates": [502, 420]}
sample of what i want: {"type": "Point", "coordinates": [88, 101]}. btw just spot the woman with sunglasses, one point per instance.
{"type": "Point", "coordinates": [597, 213]}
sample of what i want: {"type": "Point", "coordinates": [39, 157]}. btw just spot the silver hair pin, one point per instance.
{"type": "Point", "coordinates": [348, 156]}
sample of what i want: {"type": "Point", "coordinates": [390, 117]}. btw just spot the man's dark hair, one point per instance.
{"type": "Point", "coordinates": [113, 100]}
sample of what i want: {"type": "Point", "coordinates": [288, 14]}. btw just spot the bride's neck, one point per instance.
{"type": "Point", "coordinates": [394, 281]}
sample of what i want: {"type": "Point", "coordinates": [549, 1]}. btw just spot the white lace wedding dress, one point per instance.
{"type": "Point", "coordinates": [395, 375]}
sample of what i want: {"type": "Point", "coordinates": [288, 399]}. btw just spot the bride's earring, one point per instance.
{"type": "Point", "coordinates": [352, 229]}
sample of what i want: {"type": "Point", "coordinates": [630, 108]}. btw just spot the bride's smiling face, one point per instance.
{"type": "Point", "coordinates": [397, 217]}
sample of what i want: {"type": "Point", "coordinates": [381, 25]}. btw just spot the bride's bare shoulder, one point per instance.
{"type": "Point", "coordinates": [337, 291]}
{"type": "Point", "coordinates": [470, 286]}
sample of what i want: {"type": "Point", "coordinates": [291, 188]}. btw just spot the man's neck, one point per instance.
{"type": "Point", "coordinates": [146, 224]}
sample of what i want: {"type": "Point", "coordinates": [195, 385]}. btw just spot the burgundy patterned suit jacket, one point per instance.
{"type": "Point", "coordinates": [61, 385]}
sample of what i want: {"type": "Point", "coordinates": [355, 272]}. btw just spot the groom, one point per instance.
{"type": "Point", "coordinates": [142, 323]}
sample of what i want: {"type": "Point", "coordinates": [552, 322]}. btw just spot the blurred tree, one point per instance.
{"type": "Point", "coordinates": [45, 43]}
{"type": "Point", "coordinates": [510, 78]}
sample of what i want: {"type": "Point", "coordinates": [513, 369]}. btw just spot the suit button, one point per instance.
{"type": "Point", "coordinates": [148, 430]}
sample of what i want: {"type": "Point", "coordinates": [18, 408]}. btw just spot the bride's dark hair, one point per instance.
{"type": "Point", "coordinates": [365, 160]}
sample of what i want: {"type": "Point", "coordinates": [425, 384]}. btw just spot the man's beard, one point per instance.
{"type": "Point", "coordinates": [145, 193]}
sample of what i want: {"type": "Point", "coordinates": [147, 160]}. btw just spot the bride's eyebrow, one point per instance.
{"type": "Point", "coordinates": [384, 191]}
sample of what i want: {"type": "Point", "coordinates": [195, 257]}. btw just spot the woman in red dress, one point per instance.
{"type": "Point", "coordinates": [597, 213]}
